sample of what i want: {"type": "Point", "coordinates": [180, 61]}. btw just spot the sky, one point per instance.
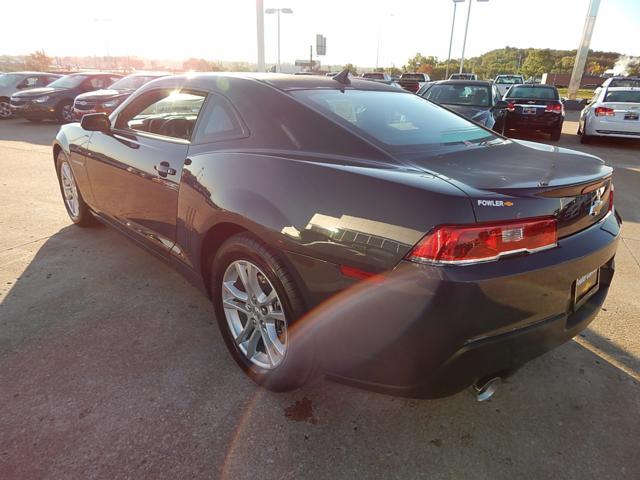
{"type": "Point", "coordinates": [226, 30]}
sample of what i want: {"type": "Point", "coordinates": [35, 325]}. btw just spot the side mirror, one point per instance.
{"type": "Point", "coordinates": [500, 104]}
{"type": "Point", "coordinates": [96, 122]}
{"type": "Point", "coordinates": [563, 99]}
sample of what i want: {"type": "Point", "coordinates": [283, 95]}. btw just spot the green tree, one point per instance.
{"type": "Point", "coordinates": [351, 67]}
{"type": "Point", "coordinates": [197, 65]}
{"type": "Point", "coordinates": [538, 62]}
{"type": "Point", "coordinates": [566, 63]}
{"type": "Point", "coordinates": [37, 61]}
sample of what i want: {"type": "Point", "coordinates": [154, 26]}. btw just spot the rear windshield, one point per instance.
{"type": "Point", "coordinates": [509, 80]}
{"type": "Point", "coordinates": [471, 95]}
{"type": "Point", "coordinates": [412, 76]}
{"type": "Point", "coordinates": [624, 96]}
{"type": "Point", "coordinates": [396, 119]}
{"type": "Point", "coordinates": [625, 82]}
{"type": "Point", "coordinates": [379, 76]}
{"type": "Point", "coordinates": [533, 92]}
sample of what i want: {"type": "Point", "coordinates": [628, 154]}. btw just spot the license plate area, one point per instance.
{"type": "Point", "coordinates": [631, 116]}
{"type": "Point", "coordinates": [585, 287]}
{"type": "Point", "coordinates": [529, 110]}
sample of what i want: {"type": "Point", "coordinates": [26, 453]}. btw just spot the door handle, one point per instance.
{"type": "Point", "coordinates": [164, 169]}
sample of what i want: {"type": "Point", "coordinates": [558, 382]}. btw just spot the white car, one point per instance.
{"type": "Point", "coordinates": [612, 112]}
{"type": "Point", "coordinates": [504, 82]}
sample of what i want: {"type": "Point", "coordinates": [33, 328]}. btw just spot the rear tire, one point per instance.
{"type": "Point", "coordinates": [294, 366]}
{"type": "Point", "coordinates": [77, 209]}
{"type": "Point", "coordinates": [556, 133]}
{"type": "Point", "coordinates": [584, 138]}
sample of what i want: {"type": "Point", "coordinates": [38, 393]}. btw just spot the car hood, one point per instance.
{"type": "Point", "coordinates": [103, 95]}
{"type": "Point", "coordinates": [501, 166]}
{"type": "Point", "coordinates": [36, 92]}
{"type": "Point", "coordinates": [474, 113]}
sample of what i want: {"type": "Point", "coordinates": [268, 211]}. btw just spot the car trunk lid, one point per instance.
{"type": "Point", "coordinates": [518, 179]}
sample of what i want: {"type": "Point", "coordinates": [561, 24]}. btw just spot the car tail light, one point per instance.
{"type": "Point", "coordinates": [464, 244]}
{"type": "Point", "coordinates": [355, 273]}
{"type": "Point", "coordinates": [604, 112]}
{"type": "Point", "coordinates": [611, 198]}
{"type": "Point", "coordinates": [553, 108]}
{"type": "Point", "coordinates": [511, 106]}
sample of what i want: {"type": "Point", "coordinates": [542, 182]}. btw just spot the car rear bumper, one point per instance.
{"type": "Point", "coordinates": [432, 331]}
{"type": "Point", "coordinates": [545, 121]}
{"type": "Point", "coordinates": [610, 128]}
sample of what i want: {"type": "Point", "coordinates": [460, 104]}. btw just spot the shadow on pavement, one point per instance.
{"type": "Point", "coordinates": [111, 367]}
{"type": "Point", "coordinates": [21, 130]}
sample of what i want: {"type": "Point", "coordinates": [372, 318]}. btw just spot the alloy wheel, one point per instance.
{"type": "Point", "coordinates": [69, 189]}
{"type": "Point", "coordinates": [254, 314]}
{"type": "Point", "coordinates": [5, 110]}
{"type": "Point", "coordinates": [67, 113]}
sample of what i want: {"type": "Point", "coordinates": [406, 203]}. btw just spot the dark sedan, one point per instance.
{"type": "Point", "coordinates": [351, 226]}
{"type": "Point", "coordinates": [534, 108]}
{"type": "Point", "coordinates": [106, 100]}
{"type": "Point", "coordinates": [477, 100]}
{"type": "Point", "coordinates": [55, 101]}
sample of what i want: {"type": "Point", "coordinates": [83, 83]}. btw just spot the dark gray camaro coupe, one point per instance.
{"type": "Point", "coordinates": [350, 227]}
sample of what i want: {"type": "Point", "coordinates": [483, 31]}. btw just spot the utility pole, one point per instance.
{"type": "Point", "coordinates": [583, 50]}
{"type": "Point", "coordinates": [466, 30]}
{"type": "Point", "coordinates": [260, 31]}
{"type": "Point", "coordinates": [453, 23]}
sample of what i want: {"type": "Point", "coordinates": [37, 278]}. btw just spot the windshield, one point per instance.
{"type": "Point", "coordinates": [533, 92]}
{"type": "Point", "coordinates": [623, 96]}
{"type": "Point", "coordinates": [68, 81]}
{"type": "Point", "coordinates": [132, 82]}
{"type": "Point", "coordinates": [8, 79]}
{"type": "Point", "coordinates": [509, 80]}
{"type": "Point", "coordinates": [470, 95]}
{"type": "Point", "coordinates": [393, 118]}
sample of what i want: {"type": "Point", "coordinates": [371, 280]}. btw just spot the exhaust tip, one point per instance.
{"type": "Point", "coordinates": [485, 390]}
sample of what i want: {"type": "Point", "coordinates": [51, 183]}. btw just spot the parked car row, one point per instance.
{"type": "Point", "coordinates": [523, 106]}
{"type": "Point", "coordinates": [39, 96]}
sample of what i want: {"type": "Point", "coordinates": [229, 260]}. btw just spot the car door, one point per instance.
{"type": "Point", "coordinates": [135, 168]}
{"type": "Point", "coordinates": [498, 113]}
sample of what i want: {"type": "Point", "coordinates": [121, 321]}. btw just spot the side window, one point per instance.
{"type": "Point", "coordinates": [98, 82]}
{"type": "Point", "coordinates": [28, 82]}
{"type": "Point", "coordinates": [170, 113]}
{"type": "Point", "coordinates": [219, 122]}
{"type": "Point", "coordinates": [47, 80]}
{"type": "Point", "coordinates": [113, 80]}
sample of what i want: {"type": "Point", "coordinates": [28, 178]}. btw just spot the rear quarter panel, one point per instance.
{"type": "Point", "coordinates": [360, 216]}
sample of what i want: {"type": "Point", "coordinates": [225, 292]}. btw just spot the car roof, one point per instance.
{"type": "Point", "coordinates": [280, 81]}
{"type": "Point", "coordinates": [148, 74]}
{"type": "Point", "coordinates": [535, 85]}
{"type": "Point", "coordinates": [463, 82]}
{"type": "Point", "coordinates": [33, 73]}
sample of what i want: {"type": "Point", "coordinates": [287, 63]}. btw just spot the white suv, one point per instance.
{"type": "Point", "coordinates": [504, 82]}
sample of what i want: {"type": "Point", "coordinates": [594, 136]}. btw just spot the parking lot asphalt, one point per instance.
{"type": "Point", "coordinates": [111, 366]}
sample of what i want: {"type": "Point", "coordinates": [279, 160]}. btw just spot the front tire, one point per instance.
{"type": "Point", "coordinates": [5, 109]}
{"type": "Point", "coordinates": [64, 112]}
{"type": "Point", "coordinates": [257, 306]}
{"type": "Point", "coordinates": [76, 208]}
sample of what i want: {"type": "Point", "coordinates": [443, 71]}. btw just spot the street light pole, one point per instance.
{"type": "Point", "coordinates": [466, 29]}
{"type": "Point", "coordinates": [453, 23]}
{"type": "Point", "coordinates": [278, 11]}
{"type": "Point", "coordinates": [260, 32]}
